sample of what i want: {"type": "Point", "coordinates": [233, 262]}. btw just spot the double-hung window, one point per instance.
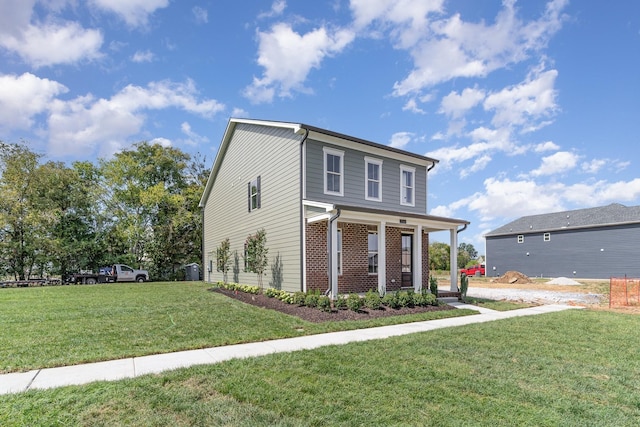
{"type": "Point", "coordinates": [373, 252]}
{"type": "Point", "coordinates": [333, 171]}
{"type": "Point", "coordinates": [254, 196]}
{"type": "Point", "coordinates": [373, 181]}
{"type": "Point", "coordinates": [407, 185]}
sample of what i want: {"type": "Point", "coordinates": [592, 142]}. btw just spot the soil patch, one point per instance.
{"type": "Point", "coordinates": [316, 315]}
{"type": "Point", "coordinates": [512, 277]}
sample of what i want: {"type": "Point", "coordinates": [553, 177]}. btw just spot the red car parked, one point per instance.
{"type": "Point", "coordinates": [474, 270]}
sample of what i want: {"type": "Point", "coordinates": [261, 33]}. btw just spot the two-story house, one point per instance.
{"type": "Point", "coordinates": [341, 214]}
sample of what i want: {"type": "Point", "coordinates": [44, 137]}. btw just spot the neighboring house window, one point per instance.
{"type": "Point", "coordinates": [547, 237]}
{"type": "Point", "coordinates": [333, 171]}
{"type": "Point", "coordinates": [339, 251]}
{"type": "Point", "coordinates": [373, 184]}
{"type": "Point", "coordinates": [254, 194]}
{"type": "Point", "coordinates": [520, 238]}
{"type": "Point", "coordinates": [373, 252]}
{"type": "Point", "coordinates": [407, 185]}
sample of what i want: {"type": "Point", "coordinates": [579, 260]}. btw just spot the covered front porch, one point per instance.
{"type": "Point", "coordinates": [352, 249]}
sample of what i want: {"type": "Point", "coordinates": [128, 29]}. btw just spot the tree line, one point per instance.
{"type": "Point", "coordinates": [139, 207]}
{"type": "Point", "coordinates": [439, 256]}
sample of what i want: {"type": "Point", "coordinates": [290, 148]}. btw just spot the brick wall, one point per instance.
{"type": "Point", "coordinates": [355, 275]}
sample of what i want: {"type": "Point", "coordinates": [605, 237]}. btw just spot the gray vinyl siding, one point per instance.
{"type": "Point", "coordinates": [354, 180]}
{"type": "Point", "coordinates": [274, 155]}
{"type": "Point", "coordinates": [598, 253]}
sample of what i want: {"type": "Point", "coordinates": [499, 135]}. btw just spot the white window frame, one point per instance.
{"type": "Point", "coordinates": [404, 187]}
{"type": "Point", "coordinates": [330, 151]}
{"type": "Point", "coordinates": [339, 251]}
{"type": "Point", "coordinates": [370, 161]}
{"type": "Point", "coordinates": [369, 252]}
{"type": "Point", "coordinates": [520, 238]}
{"type": "Point", "coordinates": [546, 237]}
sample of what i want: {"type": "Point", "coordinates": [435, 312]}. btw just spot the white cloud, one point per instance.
{"type": "Point", "coordinates": [134, 12]}
{"type": "Point", "coordinates": [79, 125]}
{"type": "Point", "coordinates": [25, 96]}
{"type": "Point", "coordinates": [193, 137]}
{"type": "Point", "coordinates": [594, 165]}
{"type": "Point", "coordinates": [277, 7]}
{"type": "Point", "coordinates": [200, 14]}
{"type": "Point", "coordinates": [288, 57]}
{"type": "Point", "coordinates": [52, 43]}
{"type": "Point", "coordinates": [163, 142]}
{"type": "Point", "coordinates": [401, 139]}
{"type": "Point", "coordinates": [546, 146]}
{"type": "Point", "coordinates": [456, 105]}
{"type": "Point", "coordinates": [447, 48]}
{"type": "Point", "coordinates": [143, 56]}
{"type": "Point", "coordinates": [529, 101]}
{"type": "Point", "coordinates": [557, 163]}
{"type": "Point", "coordinates": [412, 106]}
{"type": "Point", "coordinates": [239, 113]}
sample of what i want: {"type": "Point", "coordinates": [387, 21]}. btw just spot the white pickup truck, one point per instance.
{"type": "Point", "coordinates": [115, 273]}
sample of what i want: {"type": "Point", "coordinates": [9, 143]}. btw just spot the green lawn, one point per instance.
{"type": "Point", "coordinates": [497, 305]}
{"type": "Point", "coordinates": [571, 368]}
{"type": "Point", "coordinates": [64, 325]}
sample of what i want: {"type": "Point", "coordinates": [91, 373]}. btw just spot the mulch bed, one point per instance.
{"type": "Point", "coordinates": [316, 315]}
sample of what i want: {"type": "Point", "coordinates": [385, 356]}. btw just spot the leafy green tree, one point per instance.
{"type": "Point", "coordinates": [223, 258]}
{"type": "Point", "coordinates": [256, 254]}
{"type": "Point", "coordinates": [439, 256]}
{"type": "Point", "coordinates": [467, 255]}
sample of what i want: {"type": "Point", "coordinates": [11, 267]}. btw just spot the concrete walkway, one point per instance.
{"type": "Point", "coordinates": [135, 366]}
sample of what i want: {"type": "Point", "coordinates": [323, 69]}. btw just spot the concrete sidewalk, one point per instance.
{"type": "Point", "coordinates": [132, 367]}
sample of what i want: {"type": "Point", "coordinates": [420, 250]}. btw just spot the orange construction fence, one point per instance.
{"type": "Point", "coordinates": [624, 291]}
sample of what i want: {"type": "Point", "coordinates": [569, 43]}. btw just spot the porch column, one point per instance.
{"type": "Point", "coordinates": [382, 258]}
{"type": "Point", "coordinates": [333, 258]}
{"type": "Point", "coordinates": [453, 262]}
{"type": "Point", "coordinates": [417, 260]}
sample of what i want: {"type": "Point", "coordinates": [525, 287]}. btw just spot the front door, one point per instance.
{"type": "Point", "coordinates": [407, 260]}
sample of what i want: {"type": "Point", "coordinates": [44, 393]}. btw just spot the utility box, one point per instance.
{"type": "Point", "coordinates": [192, 272]}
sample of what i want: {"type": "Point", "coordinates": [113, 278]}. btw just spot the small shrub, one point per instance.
{"type": "Point", "coordinates": [433, 285]}
{"type": "Point", "coordinates": [354, 302]}
{"type": "Point", "coordinates": [464, 285]}
{"type": "Point", "coordinates": [311, 300]}
{"type": "Point", "coordinates": [425, 299]}
{"type": "Point", "coordinates": [391, 300]}
{"type": "Point", "coordinates": [324, 303]}
{"type": "Point", "coordinates": [298, 298]}
{"type": "Point", "coordinates": [405, 299]}
{"type": "Point", "coordinates": [340, 303]}
{"type": "Point", "coordinates": [372, 300]}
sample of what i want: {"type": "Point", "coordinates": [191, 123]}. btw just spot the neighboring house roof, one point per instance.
{"type": "Point", "coordinates": [301, 129]}
{"type": "Point", "coordinates": [613, 214]}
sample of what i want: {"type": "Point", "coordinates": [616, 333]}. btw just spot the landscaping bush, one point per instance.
{"type": "Point", "coordinates": [237, 287]}
{"type": "Point", "coordinates": [425, 298]}
{"type": "Point", "coordinates": [405, 298]}
{"type": "Point", "coordinates": [372, 300]}
{"type": "Point", "coordinates": [391, 300]}
{"type": "Point", "coordinates": [311, 300]}
{"type": "Point", "coordinates": [340, 303]}
{"type": "Point", "coordinates": [354, 302]}
{"type": "Point", "coordinates": [298, 298]}
{"type": "Point", "coordinates": [324, 303]}
{"type": "Point", "coordinates": [433, 285]}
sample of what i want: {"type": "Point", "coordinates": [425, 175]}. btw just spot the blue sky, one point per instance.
{"type": "Point", "coordinates": [530, 106]}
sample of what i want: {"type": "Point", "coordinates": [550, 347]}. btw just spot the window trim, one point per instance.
{"type": "Point", "coordinates": [377, 162]}
{"type": "Point", "coordinates": [403, 187]}
{"type": "Point", "coordinates": [546, 237]}
{"type": "Point", "coordinates": [338, 153]}
{"type": "Point", "coordinates": [520, 238]}
{"type": "Point", "coordinates": [369, 252]}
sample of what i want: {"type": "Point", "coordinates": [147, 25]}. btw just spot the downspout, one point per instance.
{"type": "Point", "coordinates": [462, 229]}
{"type": "Point", "coordinates": [433, 165]}
{"type": "Point", "coordinates": [330, 244]}
{"type": "Point", "coordinates": [303, 252]}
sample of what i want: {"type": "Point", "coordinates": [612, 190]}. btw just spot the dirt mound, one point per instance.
{"type": "Point", "coordinates": [512, 277]}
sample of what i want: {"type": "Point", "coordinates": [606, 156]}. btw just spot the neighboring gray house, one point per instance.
{"type": "Point", "coordinates": [596, 243]}
{"type": "Point", "coordinates": [341, 214]}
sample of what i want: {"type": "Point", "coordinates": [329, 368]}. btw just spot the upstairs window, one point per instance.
{"type": "Point", "coordinates": [407, 186]}
{"type": "Point", "coordinates": [254, 194]}
{"type": "Point", "coordinates": [333, 172]}
{"type": "Point", "coordinates": [373, 184]}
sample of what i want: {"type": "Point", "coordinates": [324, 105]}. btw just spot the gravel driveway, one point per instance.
{"type": "Point", "coordinates": [535, 296]}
